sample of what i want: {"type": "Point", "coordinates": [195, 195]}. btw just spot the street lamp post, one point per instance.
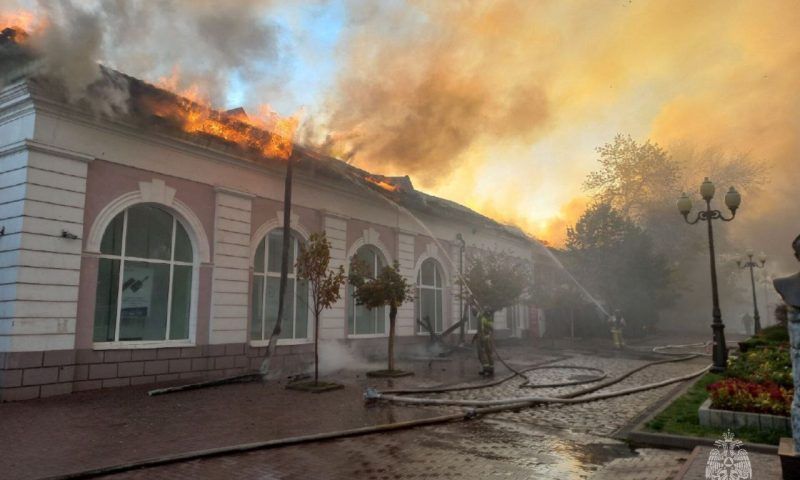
{"type": "Point", "coordinates": [732, 201]}
{"type": "Point", "coordinates": [762, 259]}
{"type": "Point", "coordinates": [461, 246]}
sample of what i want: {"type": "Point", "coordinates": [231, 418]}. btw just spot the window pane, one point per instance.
{"type": "Point", "coordinates": [364, 320]}
{"type": "Point", "coordinates": [149, 233]}
{"type": "Point", "coordinates": [271, 306]}
{"type": "Point", "coordinates": [275, 249]}
{"type": "Point", "coordinates": [145, 288]}
{"type": "Point", "coordinates": [438, 272]}
{"type": "Point", "coordinates": [258, 260]}
{"type": "Point", "coordinates": [473, 320]}
{"type": "Point", "coordinates": [183, 247]}
{"type": "Point", "coordinates": [112, 238]}
{"type": "Point", "coordinates": [366, 256]}
{"type": "Point", "coordinates": [428, 308]}
{"type": "Point", "coordinates": [287, 327]}
{"type": "Point", "coordinates": [439, 312]}
{"type": "Point", "coordinates": [427, 272]}
{"type": "Point", "coordinates": [301, 318]}
{"type": "Point", "coordinates": [181, 299]}
{"type": "Point", "coordinates": [379, 320]}
{"type": "Point", "coordinates": [256, 325]}
{"type": "Point", "coordinates": [105, 310]}
{"type": "Point", "coordinates": [351, 311]}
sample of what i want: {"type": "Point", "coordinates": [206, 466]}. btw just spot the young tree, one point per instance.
{"type": "Point", "coordinates": [324, 283]}
{"type": "Point", "coordinates": [493, 281]}
{"type": "Point", "coordinates": [388, 289]}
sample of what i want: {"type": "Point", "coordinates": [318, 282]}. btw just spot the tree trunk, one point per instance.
{"type": "Point", "coordinates": [392, 317]}
{"type": "Point", "coordinates": [316, 348]}
{"type": "Point", "coordinates": [287, 224]}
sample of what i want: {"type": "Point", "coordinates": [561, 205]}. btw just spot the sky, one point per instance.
{"type": "Point", "coordinates": [499, 105]}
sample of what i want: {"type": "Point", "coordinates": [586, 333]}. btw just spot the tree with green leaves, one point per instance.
{"type": "Point", "coordinates": [493, 281]}
{"type": "Point", "coordinates": [388, 289]}
{"type": "Point", "coordinates": [324, 283]}
{"type": "Point", "coordinates": [615, 258]}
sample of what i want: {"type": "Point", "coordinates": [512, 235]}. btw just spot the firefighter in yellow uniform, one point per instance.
{"type": "Point", "coordinates": [617, 322]}
{"type": "Point", "coordinates": [485, 343]}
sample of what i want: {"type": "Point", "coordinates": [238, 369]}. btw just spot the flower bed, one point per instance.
{"type": "Point", "coordinates": [746, 396]}
{"type": "Point", "coordinates": [758, 381]}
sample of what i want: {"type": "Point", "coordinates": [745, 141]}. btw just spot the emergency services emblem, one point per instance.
{"type": "Point", "coordinates": [728, 461]}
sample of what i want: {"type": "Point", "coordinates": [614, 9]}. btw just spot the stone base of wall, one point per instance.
{"type": "Point", "coordinates": [28, 375]}
{"type": "Point", "coordinates": [712, 417]}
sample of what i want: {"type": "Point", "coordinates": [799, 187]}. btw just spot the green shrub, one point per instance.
{"type": "Point", "coordinates": [763, 365]}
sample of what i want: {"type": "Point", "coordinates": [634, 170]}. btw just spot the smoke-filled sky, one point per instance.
{"type": "Point", "coordinates": [496, 104]}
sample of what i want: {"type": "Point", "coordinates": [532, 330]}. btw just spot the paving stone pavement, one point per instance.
{"type": "Point", "coordinates": [560, 442]}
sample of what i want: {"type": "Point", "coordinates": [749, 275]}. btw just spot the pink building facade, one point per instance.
{"type": "Point", "coordinates": [132, 256]}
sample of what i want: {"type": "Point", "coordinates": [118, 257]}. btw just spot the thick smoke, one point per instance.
{"type": "Point", "coordinates": [205, 42]}
{"type": "Point", "coordinates": [500, 105]}
{"type": "Point", "coordinates": [421, 85]}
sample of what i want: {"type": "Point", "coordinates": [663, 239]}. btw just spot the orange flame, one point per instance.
{"type": "Point", "coordinates": [24, 22]}
{"type": "Point", "coordinates": [267, 132]}
{"type": "Point", "coordinates": [382, 183]}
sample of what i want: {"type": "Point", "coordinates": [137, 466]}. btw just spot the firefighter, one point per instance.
{"type": "Point", "coordinates": [617, 322]}
{"type": "Point", "coordinates": [485, 343]}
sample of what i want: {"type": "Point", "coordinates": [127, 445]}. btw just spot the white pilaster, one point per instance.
{"type": "Point", "coordinates": [405, 255]}
{"type": "Point", "coordinates": [333, 321]}
{"type": "Point", "coordinates": [42, 194]}
{"type": "Point", "coordinates": [230, 286]}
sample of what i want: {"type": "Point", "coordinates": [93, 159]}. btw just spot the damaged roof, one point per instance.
{"type": "Point", "coordinates": [138, 110]}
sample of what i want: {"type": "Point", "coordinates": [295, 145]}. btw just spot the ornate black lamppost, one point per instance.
{"type": "Point", "coordinates": [732, 201]}
{"type": "Point", "coordinates": [762, 259]}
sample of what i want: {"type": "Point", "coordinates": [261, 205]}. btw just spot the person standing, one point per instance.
{"type": "Point", "coordinates": [747, 323]}
{"type": "Point", "coordinates": [485, 343]}
{"type": "Point", "coordinates": [616, 323]}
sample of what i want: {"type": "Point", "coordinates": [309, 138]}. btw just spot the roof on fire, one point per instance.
{"type": "Point", "coordinates": [138, 112]}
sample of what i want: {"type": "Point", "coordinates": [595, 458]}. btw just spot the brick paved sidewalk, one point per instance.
{"type": "Point", "coordinates": [93, 429]}
{"type": "Point", "coordinates": [86, 430]}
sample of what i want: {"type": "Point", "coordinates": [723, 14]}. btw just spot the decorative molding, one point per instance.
{"type": "Point", "coordinates": [434, 254]}
{"type": "Point", "coordinates": [234, 192]}
{"type": "Point", "coordinates": [157, 192]}
{"type": "Point", "coordinates": [369, 237]}
{"type": "Point", "coordinates": [34, 146]}
{"type": "Point", "coordinates": [277, 222]}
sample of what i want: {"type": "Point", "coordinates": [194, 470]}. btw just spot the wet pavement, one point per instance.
{"type": "Point", "coordinates": [94, 429]}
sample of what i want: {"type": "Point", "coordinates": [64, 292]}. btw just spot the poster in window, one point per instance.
{"type": "Point", "coordinates": [137, 290]}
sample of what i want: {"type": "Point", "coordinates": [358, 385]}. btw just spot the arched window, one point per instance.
{"type": "Point", "coordinates": [429, 296]}
{"type": "Point", "coordinates": [144, 280]}
{"type": "Point", "coordinates": [362, 321]}
{"type": "Point", "coordinates": [266, 288]}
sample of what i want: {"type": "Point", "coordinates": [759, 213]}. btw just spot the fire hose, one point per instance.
{"type": "Point", "coordinates": [518, 402]}
{"type": "Point", "coordinates": [475, 408]}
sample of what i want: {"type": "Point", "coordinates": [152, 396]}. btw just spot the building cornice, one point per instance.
{"type": "Point", "coordinates": [34, 146]}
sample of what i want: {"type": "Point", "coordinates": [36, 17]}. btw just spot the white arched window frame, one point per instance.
{"type": "Point", "coordinates": [295, 328]}
{"type": "Point", "coordinates": [133, 280]}
{"type": "Point", "coordinates": [430, 296]}
{"type": "Point", "coordinates": [362, 322]}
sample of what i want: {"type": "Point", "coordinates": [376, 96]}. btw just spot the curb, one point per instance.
{"type": "Point", "coordinates": [664, 440]}
{"type": "Point", "coordinates": [635, 435]}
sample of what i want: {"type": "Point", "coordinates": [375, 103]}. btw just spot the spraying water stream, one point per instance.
{"type": "Point", "coordinates": [349, 175]}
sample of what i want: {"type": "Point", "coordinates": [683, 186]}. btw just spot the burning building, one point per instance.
{"type": "Point", "coordinates": [142, 245]}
